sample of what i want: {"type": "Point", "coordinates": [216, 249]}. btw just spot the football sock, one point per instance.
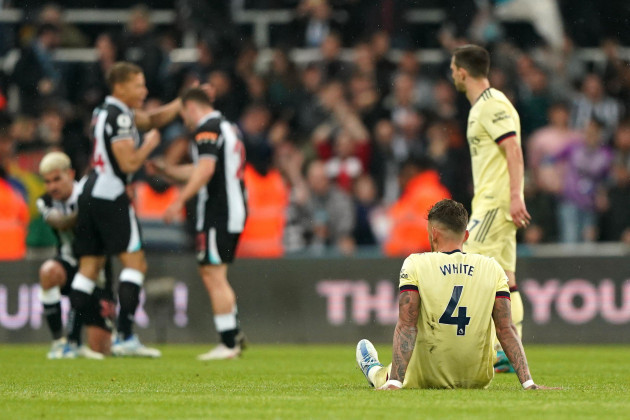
{"type": "Point", "coordinates": [53, 318]}
{"type": "Point", "coordinates": [80, 299]}
{"type": "Point", "coordinates": [75, 323]}
{"type": "Point", "coordinates": [81, 294]}
{"type": "Point", "coordinates": [229, 338]}
{"type": "Point", "coordinates": [129, 298]}
{"type": "Point", "coordinates": [227, 327]}
{"type": "Point", "coordinates": [378, 375]}
{"type": "Point", "coordinates": [94, 316]}
{"type": "Point", "coordinates": [517, 310]}
{"type": "Point", "coordinates": [51, 300]}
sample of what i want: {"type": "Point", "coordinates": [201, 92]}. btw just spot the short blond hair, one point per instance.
{"type": "Point", "coordinates": [53, 161]}
{"type": "Point", "coordinates": [121, 72]}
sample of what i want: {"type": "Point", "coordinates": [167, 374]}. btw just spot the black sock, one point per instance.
{"type": "Point", "coordinates": [229, 337]}
{"type": "Point", "coordinates": [52, 312]}
{"type": "Point", "coordinates": [75, 322]}
{"type": "Point", "coordinates": [129, 298]}
{"type": "Point", "coordinates": [80, 302]}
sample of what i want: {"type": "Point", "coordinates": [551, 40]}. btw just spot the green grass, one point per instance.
{"type": "Point", "coordinates": [299, 382]}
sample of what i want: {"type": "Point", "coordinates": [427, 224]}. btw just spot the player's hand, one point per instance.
{"type": "Point", "coordinates": [519, 214]}
{"type": "Point", "coordinates": [173, 211]}
{"type": "Point", "coordinates": [541, 387]}
{"type": "Point", "coordinates": [155, 166]}
{"type": "Point", "coordinates": [152, 139]}
{"type": "Point", "coordinates": [209, 90]}
{"type": "Point", "coordinates": [389, 387]}
{"type": "Point", "coordinates": [108, 309]}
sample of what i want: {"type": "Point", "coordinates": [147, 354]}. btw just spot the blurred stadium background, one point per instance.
{"type": "Point", "coordinates": [361, 88]}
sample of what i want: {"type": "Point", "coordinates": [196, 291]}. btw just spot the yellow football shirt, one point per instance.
{"type": "Point", "coordinates": [455, 343]}
{"type": "Point", "coordinates": [492, 119]}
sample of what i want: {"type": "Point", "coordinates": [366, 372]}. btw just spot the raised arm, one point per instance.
{"type": "Point", "coordinates": [166, 113]}
{"type": "Point", "coordinates": [158, 117]}
{"type": "Point", "coordinates": [404, 335]}
{"type": "Point", "coordinates": [514, 156]}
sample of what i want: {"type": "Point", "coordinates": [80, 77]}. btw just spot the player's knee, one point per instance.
{"type": "Point", "coordinates": [214, 278]}
{"type": "Point", "coordinates": [51, 274]}
{"type": "Point", "coordinates": [143, 266]}
{"type": "Point", "coordinates": [135, 261]}
{"type": "Point", "coordinates": [139, 264]}
{"type": "Point", "coordinates": [90, 270]}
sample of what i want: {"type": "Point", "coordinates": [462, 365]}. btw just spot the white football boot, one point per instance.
{"type": "Point", "coordinates": [221, 352]}
{"type": "Point", "coordinates": [87, 353]}
{"type": "Point", "coordinates": [56, 348]}
{"type": "Point", "coordinates": [68, 351]}
{"type": "Point", "coordinates": [367, 358]}
{"type": "Point", "coordinates": [133, 347]}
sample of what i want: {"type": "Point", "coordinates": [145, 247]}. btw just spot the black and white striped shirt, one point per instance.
{"type": "Point", "coordinates": [222, 202]}
{"type": "Point", "coordinates": [111, 122]}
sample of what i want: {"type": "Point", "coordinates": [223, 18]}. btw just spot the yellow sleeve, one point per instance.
{"type": "Point", "coordinates": [408, 279]}
{"type": "Point", "coordinates": [498, 121]}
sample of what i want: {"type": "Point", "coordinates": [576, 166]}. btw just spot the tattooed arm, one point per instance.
{"type": "Point", "coordinates": [511, 343]}
{"type": "Point", "coordinates": [405, 333]}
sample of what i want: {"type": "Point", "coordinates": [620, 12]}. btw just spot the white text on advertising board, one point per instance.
{"type": "Point", "coordinates": [576, 301]}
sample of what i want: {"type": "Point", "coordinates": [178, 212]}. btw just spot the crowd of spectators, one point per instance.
{"type": "Point", "coordinates": [362, 141]}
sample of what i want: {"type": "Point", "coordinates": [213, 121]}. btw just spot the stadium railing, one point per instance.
{"type": "Point", "coordinates": [261, 21]}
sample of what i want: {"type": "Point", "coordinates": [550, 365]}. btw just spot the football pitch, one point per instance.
{"type": "Point", "coordinates": [299, 382]}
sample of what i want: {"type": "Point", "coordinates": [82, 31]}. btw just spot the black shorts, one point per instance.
{"type": "Point", "coordinates": [216, 246]}
{"type": "Point", "coordinates": [106, 227]}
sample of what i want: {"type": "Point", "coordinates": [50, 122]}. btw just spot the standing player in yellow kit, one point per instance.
{"type": "Point", "coordinates": [449, 301]}
{"type": "Point", "coordinates": [494, 138]}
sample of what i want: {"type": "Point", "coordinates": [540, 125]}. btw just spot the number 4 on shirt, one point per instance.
{"type": "Point", "coordinates": [461, 320]}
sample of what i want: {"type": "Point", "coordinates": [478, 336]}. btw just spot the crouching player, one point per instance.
{"type": "Point", "coordinates": [448, 301]}
{"type": "Point", "coordinates": [58, 207]}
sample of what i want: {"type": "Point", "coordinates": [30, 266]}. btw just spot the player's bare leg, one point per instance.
{"type": "Point", "coordinates": [221, 293]}
{"type": "Point", "coordinates": [99, 340]}
{"type": "Point", "coordinates": [131, 280]}
{"type": "Point", "coordinates": [52, 277]}
{"type": "Point", "coordinates": [223, 301]}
